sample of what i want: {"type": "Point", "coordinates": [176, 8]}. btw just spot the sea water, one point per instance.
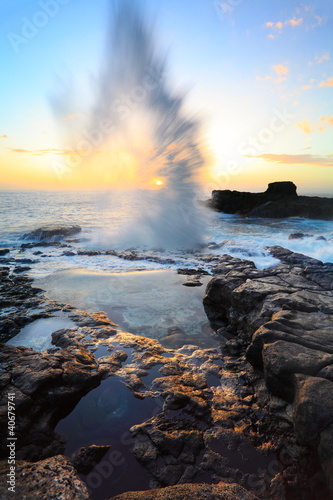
{"type": "Point", "coordinates": [103, 215]}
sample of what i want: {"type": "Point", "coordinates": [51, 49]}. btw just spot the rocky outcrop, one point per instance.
{"type": "Point", "coordinates": [50, 479]}
{"type": "Point", "coordinates": [220, 491]}
{"type": "Point", "coordinates": [282, 318]}
{"type": "Point", "coordinates": [280, 200]}
{"type": "Point", "coordinates": [46, 387]}
{"type": "Point", "coordinates": [54, 232]}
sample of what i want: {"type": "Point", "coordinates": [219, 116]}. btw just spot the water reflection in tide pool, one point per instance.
{"type": "Point", "coordinates": [38, 334]}
{"type": "Point", "coordinates": [104, 417]}
{"type": "Point", "coordinates": [153, 303]}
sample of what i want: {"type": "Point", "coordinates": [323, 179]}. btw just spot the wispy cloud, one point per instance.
{"type": "Point", "coordinates": [306, 126]}
{"type": "Point", "coordinates": [320, 59]}
{"type": "Point", "coordinates": [328, 83]}
{"type": "Point", "coordinates": [44, 151]}
{"type": "Point", "coordinates": [305, 17]}
{"type": "Point", "coordinates": [4, 136]}
{"type": "Point", "coordinates": [50, 151]}
{"type": "Point", "coordinates": [319, 125]}
{"type": "Point", "coordinates": [264, 78]}
{"type": "Point", "coordinates": [281, 69]}
{"type": "Point", "coordinates": [279, 25]}
{"type": "Point", "coordinates": [304, 159]}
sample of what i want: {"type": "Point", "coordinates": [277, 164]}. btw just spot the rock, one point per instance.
{"type": "Point", "coordinates": [192, 272]}
{"type": "Point", "coordinates": [220, 491]}
{"type": "Point", "coordinates": [89, 253]}
{"type": "Point", "coordinates": [21, 269]}
{"type": "Point", "coordinates": [294, 327]}
{"type": "Point", "coordinates": [325, 452]}
{"type": "Point", "coordinates": [47, 386]}
{"type": "Point", "coordinates": [284, 188]}
{"type": "Point", "coordinates": [50, 479]}
{"type": "Point", "coordinates": [282, 360]}
{"type": "Point", "coordinates": [298, 236]}
{"type": "Point", "coordinates": [313, 408]}
{"type": "Point", "coordinates": [192, 281]}
{"type": "Point", "coordinates": [284, 316]}
{"type": "Point", "coordinates": [55, 232]}
{"type": "Point", "coordinates": [85, 459]}
{"type": "Point", "coordinates": [280, 200]}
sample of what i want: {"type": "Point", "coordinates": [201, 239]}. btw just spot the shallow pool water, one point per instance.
{"type": "Point", "coordinates": [104, 417]}
{"type": "Point", "coordinates": [153, 303]}
{"type": "Point", "coordinates": [37, 334]}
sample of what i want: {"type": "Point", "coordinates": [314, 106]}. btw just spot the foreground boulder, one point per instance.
{"type": "Point", "coordinates": [278, 201]}
{"type": "Point", "coordinates": [220, 491]}
{"type": "Point", "coordinates": [46, 387]}
{"type": "Point", "coordinates": [53, 232]}
{"type": "Point", "coordinates": [51, 479]}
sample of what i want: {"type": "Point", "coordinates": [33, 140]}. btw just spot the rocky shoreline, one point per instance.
{"type": "Point", "coordinates": [252, 420]}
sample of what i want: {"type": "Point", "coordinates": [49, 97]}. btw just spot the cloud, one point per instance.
{"type": "Point", "coordinates": [4, 136]}
{"type": "Point", "coordinates": [308, 147]}
{"type": "Point", "coordinates": [295, 22]}
{"type": "Point", "coordinates": [265, 78]}
{"type": "Point", "coordinates": [307, 87]}
{"type": "Point", "coordinates": [322, 58]}
{"type": "Point", "coordinates": [61, 152]}
{"type": "Point", "coordinates": [321, 125]}
{"type": "Point", "coordinates": [279, 25]}
{"type": "Point", "coordinates": [44, 151]}
{"type": "Point", "coordinates": [280, 69]}
{"type": "Point", "coordinates": [328, 83]}
{"type": "Point", "coordinates": [306, 126]}
{"type": "Point", "coordinates": [305, 159]}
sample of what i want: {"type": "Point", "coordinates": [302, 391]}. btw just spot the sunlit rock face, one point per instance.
{"type": "Point", "coordinates": [136, 133]}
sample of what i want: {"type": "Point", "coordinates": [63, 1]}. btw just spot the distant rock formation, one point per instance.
{"type": "Point", "coordinates": [280, 200]}
{"type": "Point", "coordinates": [53, 232]}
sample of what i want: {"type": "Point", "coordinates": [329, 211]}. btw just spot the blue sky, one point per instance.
{"type": "Point", "coordinates": [246, 63]}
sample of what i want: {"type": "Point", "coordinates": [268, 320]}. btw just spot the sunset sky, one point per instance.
{"type": "Point", "coordinates": [259, 74]}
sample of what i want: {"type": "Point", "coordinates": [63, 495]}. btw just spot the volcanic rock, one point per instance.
{"type": "Point", "coordinates": [220, 491]}
{"type": "Point", "coordinates": [283, 318]}
{"type": "Point", "coordinates": [280, 200]}
{"type": "Point", "coordinates": [50, 479]}
{"type": "Point", "coordinates": [55, 232]}
{"type": "Point", "coordinates": [85, 459]}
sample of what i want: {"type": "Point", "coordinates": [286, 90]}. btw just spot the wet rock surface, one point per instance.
{"type": "Point", "coordinates": [54, 232]}
{"type": "Point", "coordinates": [278, 201]}
{"type": "Point", "coordinates": [243, 421]}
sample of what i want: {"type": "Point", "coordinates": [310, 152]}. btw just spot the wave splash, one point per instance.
{"type": "Point", "coordinates": [141, 135]}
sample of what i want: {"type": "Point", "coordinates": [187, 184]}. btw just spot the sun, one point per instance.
{"type": "Point", "coordinates": [157, 182]}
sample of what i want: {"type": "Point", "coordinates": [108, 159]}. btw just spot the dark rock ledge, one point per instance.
{"type": "Point", "coordinates": [218, 432]}
{"type": "Point", "coordinates": [283, 319]}
{"type": "Point", "coordinates": [278, 201]}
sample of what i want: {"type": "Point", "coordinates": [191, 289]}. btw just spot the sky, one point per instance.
{"type": "Point", "coordinates": [258, 74]}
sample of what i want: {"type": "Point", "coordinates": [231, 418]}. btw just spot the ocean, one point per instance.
{"type": "Point", "coordinates": [110, 220]}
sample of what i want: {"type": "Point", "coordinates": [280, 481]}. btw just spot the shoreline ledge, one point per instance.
{"type": "Point", "coordinates": [279, 201]}
{"type": "Point", "coordinates": [255, 422]}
